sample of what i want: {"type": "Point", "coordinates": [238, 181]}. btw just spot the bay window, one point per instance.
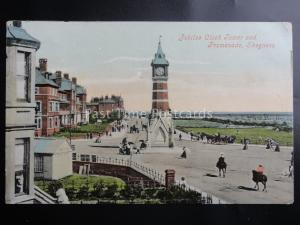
{"type": "Point", "coordinates": [22, 76]}
{"type": "Point", "coordinates": [22, 154]}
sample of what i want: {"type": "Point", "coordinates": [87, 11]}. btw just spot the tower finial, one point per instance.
{"type": "Point", "coordinates": [160, 36]}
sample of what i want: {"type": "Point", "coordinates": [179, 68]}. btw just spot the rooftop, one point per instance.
{"type": "Point", "coordinates": [40, 79]}
{"type": "Point", "coordinates": [18, 36]}
{"type": "Point", "coordinates": [160, 57]}
{"type": "Point", "coordinates": [106, 99]}
{"type": "Point", "coordinates": [51, 145]}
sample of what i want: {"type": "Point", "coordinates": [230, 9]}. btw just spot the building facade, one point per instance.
{"type": "Point", "coordinates": [20, 112]}
{"type": "Point", "coordinates": [52, 159]}
{"type": "Point", "coordinates": [48, 104]}
{"type": "Point", "coordinates": [61, 102]}
{"type": "Point", "coordinates": [106, 105]}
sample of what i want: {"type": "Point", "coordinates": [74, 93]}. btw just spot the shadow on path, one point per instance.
{"type": "Point", "coordinates": [210, 175]}
{"type": "Point", "coordinates": [104, 146]}
{"type": "Point", "coordinates": [246, 188]}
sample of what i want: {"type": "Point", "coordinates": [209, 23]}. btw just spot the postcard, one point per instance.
{"type": "Point", "coordinates": [149, 113]}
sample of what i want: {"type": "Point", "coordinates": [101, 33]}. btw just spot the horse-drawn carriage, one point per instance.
{"type": "Point", "coordinates": [271, 143]}
{"type": "Point", "coordinates": [213, 139]}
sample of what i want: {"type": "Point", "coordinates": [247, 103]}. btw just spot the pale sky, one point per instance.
{"type": "Point", "coordinates": [115, 57]}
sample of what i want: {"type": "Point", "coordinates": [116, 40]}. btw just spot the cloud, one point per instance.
{"type": "Point", "coordinates": [125, 58]}
{"type": "Point", "coordinates": [141, 59]}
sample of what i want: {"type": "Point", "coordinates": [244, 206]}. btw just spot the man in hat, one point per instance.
{"type": "Point", "coordinates": [221, 164]}
{"type": "Point", "coordinates": [260, 169]}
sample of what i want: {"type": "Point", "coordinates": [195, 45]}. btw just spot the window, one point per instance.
{"type": "Point", "coordinates": [38, 164]}
{"type": "Point", "coordinates": [50, 122]}
{"type": "Point", "coordinates": [85, 158]}
{"type": "Point", "coordinates": [50, 106]}
{"type": "Point", "coordinates": [38, 122]}
{"type": "Point", "coordinates": [74, 156]}
{"type": "Point", "coordinates": [53, 91]}
{"type": "Point", "coordinates": [53, 106]}
{"type": "Point", "coordinates": [94, 158]}
{"type": "Point", "coordinates": [22, 166]}
{"type": "Point", "coordinates": [39, 106]}
{"type": "Point", "coordinates": [22, 75]}
{"type": "Point", "coordinates": [56, 107]}
{"type": "Point", "coordinates": [56, 121]}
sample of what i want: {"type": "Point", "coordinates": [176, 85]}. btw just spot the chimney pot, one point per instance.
{"type": "Point", "coordinates": [66, 76]}
{"type": "Point", "coordinates": [43, 64]}
{"type": "Point", "coordinates": [58, 78]}
{"type": "Point", "coordinates": [74, 80]}
{"type": "Point", "coordinates": [58, 74]}
{"type": "Point", "coordinates": [17, 23]}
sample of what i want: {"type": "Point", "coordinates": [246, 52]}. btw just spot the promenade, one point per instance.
{"type": "Point", "coordinates": [199, 167]}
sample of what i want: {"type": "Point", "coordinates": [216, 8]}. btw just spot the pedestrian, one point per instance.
{"type": "Point", "coordinates": [183, 154]}
{"type": "Point", "coordinates": [91, 135]}
{"type": "Point", "coordinates": [180, 136]}
{"type": "Point", "coordinates": [245, 144]}
{"type": "Point", "coordinates": [221, 164]}
{"type": "Point", "coordinates": [260, 169]}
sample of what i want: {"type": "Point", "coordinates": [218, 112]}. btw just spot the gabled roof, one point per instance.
{"type": "Point", "coordinates": [66, 85]}
{"type": "Point", "coordinates": [18, 36]}
{"type": "Point", "coordinates": [51, 145]}
{"type": "Point", "coordinates": [80, 90]}
{"type": "Point", "coordinates": [41, 80]}
{"type": "Point", "coordinates": [160, 57]}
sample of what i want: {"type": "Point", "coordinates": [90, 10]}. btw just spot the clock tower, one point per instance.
{"type": "Point", "coordinates": [161, 129]}
{"type": "Point", "coordinates": [160, 102]}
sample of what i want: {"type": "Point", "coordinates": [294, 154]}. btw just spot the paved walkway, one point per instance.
{"type": "Point", "coordinates": [199, 167]}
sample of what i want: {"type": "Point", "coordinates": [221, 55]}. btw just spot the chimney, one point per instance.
{"type": "Point", "coordinates": [17, 23]}
{"type": "Point", "coordinates": [66, 76]}
{"type": "Point", "coordinates": [58, 78]}
{"type": "Point", "coordinates": [74, 80]}
{"type": "Point", "coordinates": [43, 65]}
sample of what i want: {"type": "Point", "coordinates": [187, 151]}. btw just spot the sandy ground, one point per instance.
{"type": "Point", "coordinates": [201, 160]}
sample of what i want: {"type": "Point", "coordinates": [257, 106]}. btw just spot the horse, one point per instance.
{"type": "Point", "coordinates": [231, 139]}
{"type": "Point", "coordinates": [257, 177]}
{"type": "Point", "coordinates": [221, 165]}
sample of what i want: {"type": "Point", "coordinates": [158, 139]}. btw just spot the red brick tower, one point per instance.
{"type": "Point", "coordinates": [160, 102]}
{"type": "Point", "coordinates": [160, 132]}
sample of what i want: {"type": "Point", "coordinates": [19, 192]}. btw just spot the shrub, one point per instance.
{"type": "Point", "coordinates": [83, 192]}
{"type": "Point", "coordinates": [71, 193]}
{"type": "Point", "coordinates": [54, 186]}
{"type": "Point", "coordinates": [98, 189]}
{"type": "Point", "coordinates": [111, 190]}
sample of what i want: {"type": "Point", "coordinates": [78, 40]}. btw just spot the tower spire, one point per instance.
{"type": "Point", "coordinates": [159, 49]}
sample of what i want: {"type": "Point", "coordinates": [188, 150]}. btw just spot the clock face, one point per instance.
{"type": "Point", "coordinates": [159, 71]}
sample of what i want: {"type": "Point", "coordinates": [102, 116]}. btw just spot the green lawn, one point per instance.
{"type": "Point", "coordinates": [254, 134]}
{"type": "Point", "coordinates": [82, 130]}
